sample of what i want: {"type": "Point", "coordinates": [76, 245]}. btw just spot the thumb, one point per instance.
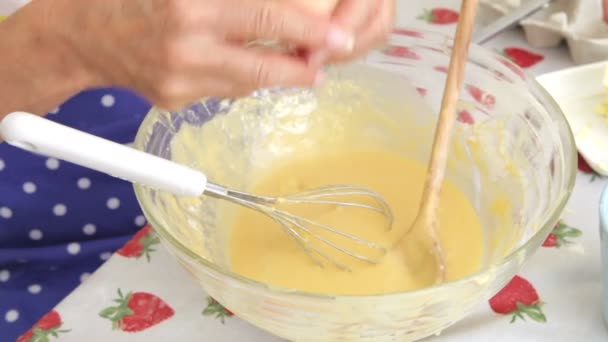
{"type": "Point", "coordinates": [284, 21]}
{"type": "Point", "coordinates": [262, 68]}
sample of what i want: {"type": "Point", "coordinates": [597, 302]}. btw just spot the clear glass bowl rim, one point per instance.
{"type": "Point", "coordinates": [547, 226]}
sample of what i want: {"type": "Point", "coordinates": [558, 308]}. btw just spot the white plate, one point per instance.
{"type": "Point", "coordinates": [579, 91]}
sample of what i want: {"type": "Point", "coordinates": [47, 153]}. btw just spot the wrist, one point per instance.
{"type": "Point", "coordinates": [51, 38]}
{"type": "Point", "coordinates": [37, 72]}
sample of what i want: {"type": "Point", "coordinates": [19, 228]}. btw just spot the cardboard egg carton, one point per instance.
{"type": "Point", "coordinates": [579, 23]}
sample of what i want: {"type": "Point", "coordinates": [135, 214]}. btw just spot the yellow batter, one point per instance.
{"type": "Point", "coordinates": [260, 250]}
{"type": "Point", "coordinates": [341, 135]}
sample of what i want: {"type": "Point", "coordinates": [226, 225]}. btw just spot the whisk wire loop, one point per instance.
{"type": "Point", "coordinates": [303, 230]}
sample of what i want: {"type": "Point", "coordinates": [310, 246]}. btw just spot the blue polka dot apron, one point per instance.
{"type": "Point", "coordinates": [59, 221]}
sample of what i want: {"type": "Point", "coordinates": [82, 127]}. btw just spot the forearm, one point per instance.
{"type": "Point", "coordinates": [36, 71]}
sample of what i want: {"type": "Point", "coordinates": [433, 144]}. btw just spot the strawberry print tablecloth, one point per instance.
{"type": "Point", "coordinates": [142, 294]}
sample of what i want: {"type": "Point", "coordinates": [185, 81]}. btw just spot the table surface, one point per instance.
{"type": "Point", "coordinates": [567, 278]}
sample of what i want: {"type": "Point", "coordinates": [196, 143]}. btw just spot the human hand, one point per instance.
{"type": "Point", "coordinates": [176, 51]}
{"type": "Point", "coordinates": [369, 21]}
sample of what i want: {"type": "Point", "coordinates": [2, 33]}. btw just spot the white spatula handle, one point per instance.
{"type": "Point", "coordinates": [39, 135]}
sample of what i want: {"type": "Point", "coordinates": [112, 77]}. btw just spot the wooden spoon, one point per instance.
{"type": "Point", "coordinates": [421, 241]}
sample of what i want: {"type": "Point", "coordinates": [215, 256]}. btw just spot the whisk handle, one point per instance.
{"type": "Point", "coordinates": [42, 136]}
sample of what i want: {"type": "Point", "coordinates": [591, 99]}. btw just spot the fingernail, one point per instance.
{"type": "Point", "coordinates": [319, 79]}
{"type": "Point", "coordinates": [340, 40]}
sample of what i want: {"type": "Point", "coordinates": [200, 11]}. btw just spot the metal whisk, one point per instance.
{"type": "Point", "coordinates": [36, 134]}
{"type": "Point", "coordinates": [298, 226]}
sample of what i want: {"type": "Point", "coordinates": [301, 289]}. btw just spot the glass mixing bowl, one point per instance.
{"type": "Point", "coordinates": [513, 156]}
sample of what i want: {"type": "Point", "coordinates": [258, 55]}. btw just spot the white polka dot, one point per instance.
{"type": "Point", "coordinates": [108, 100]}
{"type": "Point", "coordinates": [5, 275]}
{"type": "Point", "coordinates": [73, 248]}
{"type": "Point", "coordinates": [2, 165]}
{"type": "Point", "coordinates": [34, 289]}
{"type": "Point", "coordinates": [84, 183]}
{"type": "Point", "coordinates": [52, 164]}
{"type": "Point", "coordinates": [60, 209]}
{"type": "Point", "coordinates": [35, 234]}
{"type": "Point", "coordinates": [140, 220]}
{"type": "Point", "coordinates": [55, 110]}
{"type": "Point", "coordinates": [29, 187]}
{"type": "Point", "coordinates": [84, 276]}
{"type": "Point", "coordinates": [6, 213]}
{"type": "Point", "coordinates": [113, 203]}
{"type": "Point", "coordinates": [11, 316]}
{"type": "Point", "coordinates": [105, 256]}
{"type": "Point", "coordinates": [89, 229]}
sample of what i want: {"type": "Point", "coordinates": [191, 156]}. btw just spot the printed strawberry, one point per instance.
{"type": "Point", "coordinates": [48, 326]}
{"type": "Point", "coordinates": [481, 96]}
{"type": "Point", "coordinates": [401, 51]}
{"type": "Point", "coordinates": [421, 91]}
{"type": "Point", "coordinates": [136, 311]}
{"type": "Point", "coordinates": [439, 16]}
{"type": "Point", "coordinates": [516, 70]}
{"type": "Point", "coordinates": [409, 33]}
{"type": "Point", "coordinates": [560, 236]}
{"type": "Point", "coordinates": [584, 167]}
{"type": "Point", "coordinates": [441, 68]}
{"type": "Point", "coordinates": [465, 117]}
{"type": "Point", "coordinates": [521, 57]}
{"type": "Point", "coordinates": [214, 308]}
{"type": "Point", "coordinates": [141, 244]}
{"type": "Point", "coordinates": [520, 299]}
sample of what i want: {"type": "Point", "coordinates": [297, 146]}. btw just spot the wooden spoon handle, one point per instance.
{"type": "Point", "coordinates": [447, 115]}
